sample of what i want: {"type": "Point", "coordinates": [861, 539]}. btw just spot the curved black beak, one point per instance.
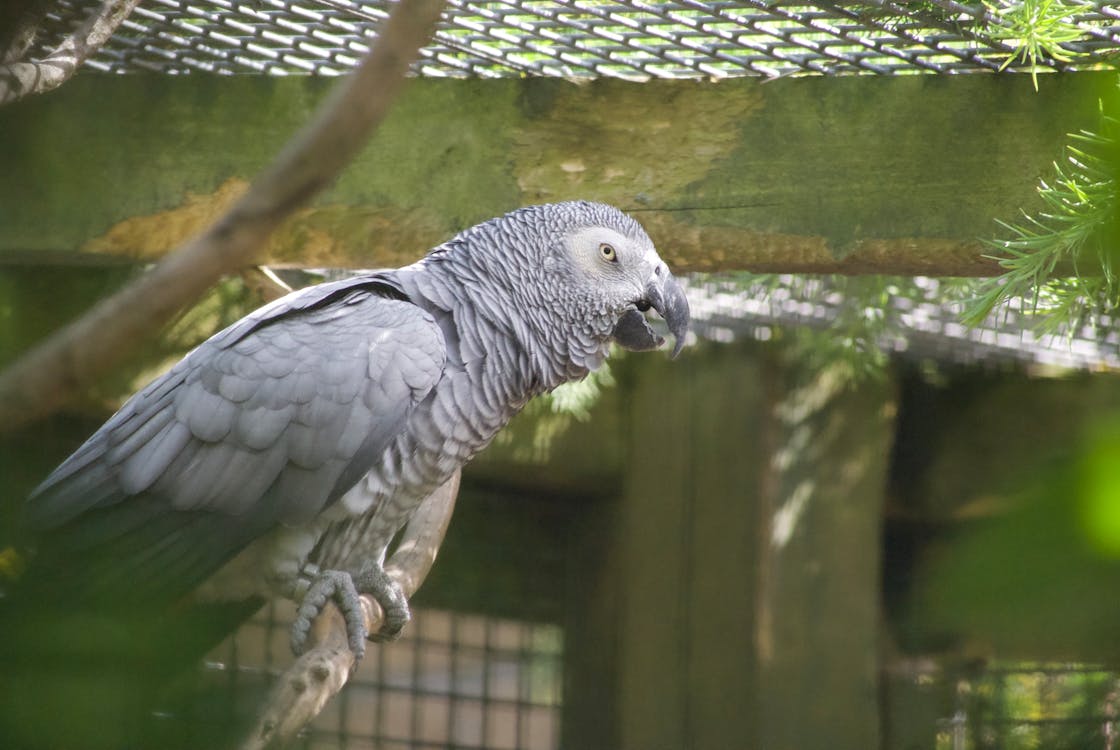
{"type": "Point", "coordinates": [666, 296]}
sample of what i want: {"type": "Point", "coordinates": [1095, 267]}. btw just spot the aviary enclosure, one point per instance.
{"type": "Point", "coordinates": [873, 504]}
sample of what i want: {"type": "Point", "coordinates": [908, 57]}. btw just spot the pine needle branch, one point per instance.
{"type": "Point", "coordinates": [1058, 262]}
{"type": "Point", "coordinates": [1036, 30]}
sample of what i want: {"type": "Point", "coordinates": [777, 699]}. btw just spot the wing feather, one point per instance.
{"type": "Point", "coordinates": [235, 388]}
{"type": "Point", "coordinates": [266, 423]}
{"type": "Point", "coordinates": [141, 469]}
{"type": "Point", "coordinates": [312, 443]}
{"type": "Point", "coordinates": [121, 444]}
{"type": "Point", "coordinates": [200, 482]}
{"type": "Point", "coordinates": [260, 427]}
{"type": "Point", "coordinates": [209, 416]}
{"type": "Point", "coordinates": [235, 492]}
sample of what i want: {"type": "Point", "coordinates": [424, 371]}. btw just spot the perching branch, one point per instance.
{"type": "Point", "coordinates": [19, 26]}
{"type": "Point", "coordinates": [323, 670]}
{"type": "Point", "coordinates": [264, 283]}
{"type": "Point", "coordinates": [18, 78]}
{"type": "Point", "coordinates": [57, 370]}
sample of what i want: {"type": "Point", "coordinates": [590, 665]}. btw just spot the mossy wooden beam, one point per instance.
{"type": "Point", "coordinates": [854, 175]}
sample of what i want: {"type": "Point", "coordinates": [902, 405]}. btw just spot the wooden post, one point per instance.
{"type": "Point", "coordinates": [818, 605]}
{"type": "Point", "coordinates": [730, 597]}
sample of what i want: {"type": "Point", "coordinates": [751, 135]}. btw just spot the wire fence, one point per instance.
{"type": "Point", "coordinates": [915, 318]}
{"type": "Point", "coordinates": [453, 680]}
{"type": "Point", "coordinates": [627, 39]}
{"type": "Point", "coordinates": [1019, 706]}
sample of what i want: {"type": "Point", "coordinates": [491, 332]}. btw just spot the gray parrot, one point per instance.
{"type": "Point", "coordinates": [281, 456]}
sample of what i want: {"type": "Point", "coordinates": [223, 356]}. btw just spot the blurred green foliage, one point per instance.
{"type": "Point", "coordinates": [1059, 264]}
{"type": "Point", "coordinates": [1099, 497]}
{"type": "Point", "coordinates": [1039, 579]}
{"type": "Point", "coordinates": [553, 413]}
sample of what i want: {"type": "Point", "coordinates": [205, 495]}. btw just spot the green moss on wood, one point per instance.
{"type": "Point", "coordinates": [869, 174]}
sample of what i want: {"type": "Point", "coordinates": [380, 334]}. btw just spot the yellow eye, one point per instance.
{"type": "Point", "coordinates": [608, 253]}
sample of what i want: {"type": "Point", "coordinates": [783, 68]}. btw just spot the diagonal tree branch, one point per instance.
{"type": "Point", "coordinates": [21, 78]}
{"type": "Point", "coordinates": [56, 370]}
{"type": "Point", "coordinates": [19, 26]}
{"type": "Point", "coordinates": [323, 670]}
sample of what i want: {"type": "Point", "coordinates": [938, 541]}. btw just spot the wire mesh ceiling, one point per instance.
{"type": "Point", "coordinates": [626, 39]}
{"type": "Point", "coordinates": [919, 322]}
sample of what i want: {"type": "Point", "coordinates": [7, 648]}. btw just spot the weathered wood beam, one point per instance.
{"type": "Point", "coordinates": [56, 369]}
{"type": "Point", "coordinates": [853, 175]}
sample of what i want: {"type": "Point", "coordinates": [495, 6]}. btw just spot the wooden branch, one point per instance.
{"type": "Point", "coordinates": [57, 370]}
{"type": "Point", "coordinates": [19, 25]}
{"type": "Point", "coordinates": [264, 283]}
{"type": "Point", "coordinates": [323, 670]}
{"type": "Point", "coordinates": [20, 78]}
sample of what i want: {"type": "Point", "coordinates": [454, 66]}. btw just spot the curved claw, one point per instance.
{"type": "Point", "coordinates": [374, 581]}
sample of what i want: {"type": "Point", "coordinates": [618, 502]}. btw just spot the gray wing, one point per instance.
{"type": "Point", "coordinates": [266, 423]}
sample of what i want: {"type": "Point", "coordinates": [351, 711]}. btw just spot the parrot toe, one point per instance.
{"type": "Point", "coordinates": [337, 586]}
{"type": "Point", "coordinates": [374, 581]}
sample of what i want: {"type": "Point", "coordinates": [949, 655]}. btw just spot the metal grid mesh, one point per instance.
{"type": "Point", "coordinates": [453, 681]}
{"type": "Point", "coordinates": [925, 324]}
{"type": "Point", "coordinates": [580, 38]}
{"type": "Point", "coordinates": [1053, 706]}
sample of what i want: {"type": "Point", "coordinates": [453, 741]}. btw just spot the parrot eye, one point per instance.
{"type": "Point", "coordinates": [608, 252]}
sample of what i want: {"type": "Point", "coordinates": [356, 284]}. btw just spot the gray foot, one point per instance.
{"type": "Point", "coordinates": [336, 585]}
{"type": "Point", "coordinates": [344, 589]}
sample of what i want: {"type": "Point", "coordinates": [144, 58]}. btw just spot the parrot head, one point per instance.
{"type": "Point", "coordinates": [615, 261]}
{"type": "Point", "coordinates": [578, 274]}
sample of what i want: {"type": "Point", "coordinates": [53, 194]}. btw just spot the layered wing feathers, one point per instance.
{"type": "Point", "coordinates": [266, 423]}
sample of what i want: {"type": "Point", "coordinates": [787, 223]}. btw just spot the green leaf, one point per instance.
{"type": "Point", "coordinates": [1058, 262]}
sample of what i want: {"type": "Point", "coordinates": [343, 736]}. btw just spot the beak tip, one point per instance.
{"type": "Point", "coordinates": [668, 298]}
{"type": "Point", "coordinates": [678, 345]}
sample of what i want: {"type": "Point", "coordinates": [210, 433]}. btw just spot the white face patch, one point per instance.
{"type": "Point", "coordinates": [586, 248]}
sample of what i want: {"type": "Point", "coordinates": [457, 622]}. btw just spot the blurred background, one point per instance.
{"type": "Point", "coordinates": [753, 543]}
{"type": "Point", "coordinates": [876, 501]}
